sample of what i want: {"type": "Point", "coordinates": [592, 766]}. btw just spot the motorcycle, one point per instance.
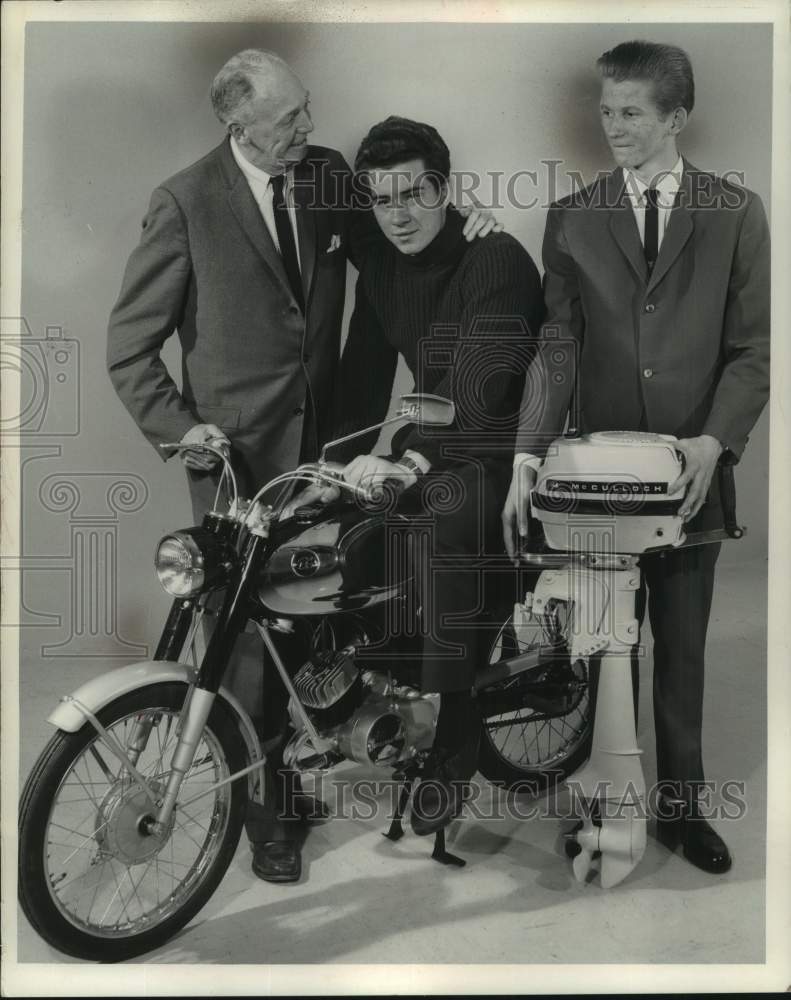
{"type": "Point", "coordinates": [133, 811]}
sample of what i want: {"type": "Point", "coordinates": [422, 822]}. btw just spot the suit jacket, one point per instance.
{"type": "Point", "coordinates": [684, 351]}
{"type": "Point", "coordinates": [207, 267]}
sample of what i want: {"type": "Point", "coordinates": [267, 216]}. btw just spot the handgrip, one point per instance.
{"type": "Point", "coordinates": [308, 512]}
{"type": "Point", "coordinates": [389, 487]}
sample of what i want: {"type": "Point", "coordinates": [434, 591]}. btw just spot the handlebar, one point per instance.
{"type": "Point", "coordinates": [221, 452]}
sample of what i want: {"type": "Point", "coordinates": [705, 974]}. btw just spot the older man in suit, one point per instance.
{"type": "Point", "coordinates": [244, 255]}
{"type": "Point", "coordinates": [231, 261]}
{"type": "Point", "coordinates": [660, 274]}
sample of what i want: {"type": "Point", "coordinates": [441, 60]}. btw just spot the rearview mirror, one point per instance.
{"type": "Point", "coordinates": [427, 410]}
{"type": "Point", "coordinates": [419, 407]}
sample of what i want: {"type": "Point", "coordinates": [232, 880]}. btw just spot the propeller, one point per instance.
{"type": "Point", "coordinates": [621, 842]}
{"type": "Point", "coordinates": [587, 838]}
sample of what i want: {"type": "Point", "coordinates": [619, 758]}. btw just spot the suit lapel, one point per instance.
{"type": "Point", "coordinates": [623, 225]}
{"type": "Point", "coordinates": [306, 195]}
{"type": "Point", "coordinates": [248, 215]}
{"type": "Point", "coordinates": [679, 228]}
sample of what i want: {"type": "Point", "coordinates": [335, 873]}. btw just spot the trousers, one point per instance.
{"type": "Point", "coordinates": [455, 527]}
{"type": "Point", "coordinates": [676, 590]}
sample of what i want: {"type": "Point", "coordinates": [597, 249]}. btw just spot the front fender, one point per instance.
{"type": "Point", "coordinates": [101, 690]}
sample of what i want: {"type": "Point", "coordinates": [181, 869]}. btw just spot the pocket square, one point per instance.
{"type": "Point", "coordinates": [335, 242]}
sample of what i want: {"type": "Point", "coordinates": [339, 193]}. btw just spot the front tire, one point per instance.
{"type": "Point", "coordinates": [93, 882]}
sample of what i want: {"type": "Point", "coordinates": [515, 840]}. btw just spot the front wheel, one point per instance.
{"type": "Point", "coordinates": [93, 881]}
{"type": "Point", "coordinates": [536, 727]}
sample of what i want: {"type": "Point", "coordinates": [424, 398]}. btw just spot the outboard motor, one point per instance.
{"type": "Point", "coordinates": [604, 499]}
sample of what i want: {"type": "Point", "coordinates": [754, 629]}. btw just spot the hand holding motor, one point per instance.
{"type": "Point", "coordinates": [701, 455]}
{"type": "Point", "coordinates": [211, 434]}
{"type": "Point", "coordinates": [517, 506]}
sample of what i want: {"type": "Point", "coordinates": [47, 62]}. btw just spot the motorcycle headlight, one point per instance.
{"type": "Point", "coordinates": [179, 563]}
{"type": "Point", "coordinates": [189, 561]}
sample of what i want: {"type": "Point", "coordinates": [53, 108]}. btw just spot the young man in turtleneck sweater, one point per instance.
{"type": "Point", "coordinates": [461, 315]}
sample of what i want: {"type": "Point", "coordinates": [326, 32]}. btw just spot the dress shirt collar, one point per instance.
{"type": "Point", "coordinates": [667, 186]}
{"type": "Point", "coordinates": [250, 170]}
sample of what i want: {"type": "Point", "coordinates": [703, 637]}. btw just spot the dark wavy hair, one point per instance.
{"type": "Point", "coordinates": [666, 66]}
{"type": "Point", "coordinates": [398, 139]}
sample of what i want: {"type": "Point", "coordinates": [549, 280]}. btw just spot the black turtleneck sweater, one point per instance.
{"type": "Point", "coordinates": [462, 315]}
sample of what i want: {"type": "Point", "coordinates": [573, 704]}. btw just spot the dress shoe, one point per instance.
{"type": "Point", "coordinates": [702, 845]}
{"type": "Point", "coordinates": [277, 860]}
{"type": "Point", "coordinates": [441, 792]}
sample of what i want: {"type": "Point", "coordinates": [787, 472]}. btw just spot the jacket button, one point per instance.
{"type": "Point", "coordinates": [305, 358]}
{"type": "Point", "coordinates": [298, 411]}
{"type": "Point", "coordinates": [293, 310]}
{"type": "Point", "coordinates": [648, 372]}
{"type": "Point", "coordinates": [650, 307]}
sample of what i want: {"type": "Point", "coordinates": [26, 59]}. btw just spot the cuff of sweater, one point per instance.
{"type": "Point", "coordinates": [420, 460]}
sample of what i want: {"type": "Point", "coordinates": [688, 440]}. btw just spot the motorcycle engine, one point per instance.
{"type": "Point", "coordinates": [388, 729]}
{"type": "Point", "coordinates": [329, 685]}
{"type": "Point", "coordinates": [370, 720]}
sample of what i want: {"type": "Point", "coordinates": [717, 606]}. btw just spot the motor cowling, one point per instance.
{"type": "Point", "coordinates": [610, 492]}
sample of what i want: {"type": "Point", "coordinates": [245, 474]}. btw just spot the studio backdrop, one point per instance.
{"type": "Point", "coordinates": [112, 109]}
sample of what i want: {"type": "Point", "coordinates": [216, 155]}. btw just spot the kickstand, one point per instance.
{"type": "Point", "coordinates": [440, 854]}
{"type": "Point", "coordinates": [396, 831]}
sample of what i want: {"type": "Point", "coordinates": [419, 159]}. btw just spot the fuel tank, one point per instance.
{"type": "Point", "coordinates": [345, 560]}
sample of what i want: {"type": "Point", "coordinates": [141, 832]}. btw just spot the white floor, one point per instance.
{"type": "Point", "coordinates": [363, 899]}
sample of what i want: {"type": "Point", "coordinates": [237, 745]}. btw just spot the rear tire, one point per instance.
{"type": "Point", "coordinates": [527, 750]}
{"type": "Point", "coordinates": [92, 881]}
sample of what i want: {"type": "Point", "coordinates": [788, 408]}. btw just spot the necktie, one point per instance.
{"type": "Point", "coordinates": [651, 241]}
{"type": "Point", "coordinates": [285, 237]}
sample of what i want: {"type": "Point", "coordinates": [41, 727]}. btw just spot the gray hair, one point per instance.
{"type": "Point", "coordinates": [233, 86]}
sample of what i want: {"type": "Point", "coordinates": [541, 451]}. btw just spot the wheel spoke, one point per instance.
{"type": "Point", "coordinates": [102, 765]}
{"type": "Point", "coordinates": [96, 891]}
{"type": "Point", "coordinates": [117, 893]}
{"type": "Point", "coordinates": [136, 885]}
{"type": "Point", "coordinates": [188, 835]}
{"type": "Point", "coordinates": [193, 820]}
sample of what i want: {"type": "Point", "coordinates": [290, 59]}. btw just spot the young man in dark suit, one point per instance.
{"type": "Point", "coordinates": [660, 273]}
